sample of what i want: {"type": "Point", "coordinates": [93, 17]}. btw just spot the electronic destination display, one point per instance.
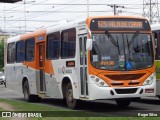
{"type": "Point", "coordinates": [119, 24]}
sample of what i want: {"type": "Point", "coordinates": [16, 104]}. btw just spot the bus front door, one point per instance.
{"type": "Point", "coordinates": [41, 58]}
{"type": "Point", "coordinates": [83, 65]}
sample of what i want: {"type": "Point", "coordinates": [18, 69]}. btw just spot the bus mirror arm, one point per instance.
{"type": "Point", "coordinates": [89, 41]}
{"type": "Point", "coordinates": [89, 44]}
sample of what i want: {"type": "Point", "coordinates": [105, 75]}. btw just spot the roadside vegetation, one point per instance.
{"type": "Point", "coordinates": [57, 112]}
{"type": "Point", "coordinates": [1, 54]}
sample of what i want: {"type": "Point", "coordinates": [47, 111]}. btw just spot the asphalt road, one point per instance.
{"type": "Point", "coordinates": [146, 106]}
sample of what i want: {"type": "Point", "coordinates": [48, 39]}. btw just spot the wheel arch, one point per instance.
{"type": "Point", "coordinates": [65, 81]}
{"type": "Point", "coordinates": [23, 81]}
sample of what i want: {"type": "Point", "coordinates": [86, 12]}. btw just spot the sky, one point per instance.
{"type": "Point", "coordinates": [29, 15]}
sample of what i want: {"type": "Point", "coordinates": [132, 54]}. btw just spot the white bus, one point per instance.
{"type": "Point", "coordinates": [156, 35]}
{"type": "Point", "coordinates": [90, 59]}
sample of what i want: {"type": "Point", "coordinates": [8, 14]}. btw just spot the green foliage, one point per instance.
{"type": "Point", "coordinates": [1, 54]}
{"type": "Point", "coordinates": [33, 107]}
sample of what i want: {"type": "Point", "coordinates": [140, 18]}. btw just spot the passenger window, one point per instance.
{"type": "Point", "coordinates": [30, 48]}
{"type": "Point", "coordinates": [53, 45]}
{"type": "Point", "coordinates": [68, 43]}
{"type": "Point", "coordinates": [11, 53]}
{"type": "Point", "coordinates": [20, 51]}
{"type": "Point", "coordinates": [157, 45]}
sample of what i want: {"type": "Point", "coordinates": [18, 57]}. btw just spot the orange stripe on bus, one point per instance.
{"type": "Point", "coordinates": [49, 67]}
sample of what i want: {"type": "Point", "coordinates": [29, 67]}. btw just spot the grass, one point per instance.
{"type": "Point", "coordinates": [57, 111]}
{"type": "Point", "coordinates": [46, 110]}
{"type": "Point", "coordinates": [27, 106]}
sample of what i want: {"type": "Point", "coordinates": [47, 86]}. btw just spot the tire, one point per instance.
{"type": "Point", "coordinates": [27, 96]}
{"type": "Point", "coordinates": [123, 103]}
{"type": "Point", "coordinates": [71, 102]}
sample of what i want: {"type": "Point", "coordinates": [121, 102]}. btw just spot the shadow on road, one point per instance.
{"type": "Point", "coordinates": [96, 106]}
{"type": "Point", "coordinates": [150, 101]}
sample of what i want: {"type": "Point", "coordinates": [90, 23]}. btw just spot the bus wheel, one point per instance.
{"type": "Point", "coordinates": [27, 96]}
{"type": "Point", "coordinates": [71, 102]}
{"type": "Point", "coordinates": [123, 103]}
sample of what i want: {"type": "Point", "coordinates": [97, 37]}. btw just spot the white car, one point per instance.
{"type": "Point", "coordinates": [2, 78]}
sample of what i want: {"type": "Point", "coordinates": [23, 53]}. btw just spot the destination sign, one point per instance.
{"type": "Point", "coordinates": [119, 24]}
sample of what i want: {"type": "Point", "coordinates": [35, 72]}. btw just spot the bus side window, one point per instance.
{"type": "Point", "coordinates": [53, 45]}
{"type": "Point", "coordinates": [20, 51]}
{"type": "Point", "coordinates": [68, 43]}
{"type": "Point", "coordinates": [156, 44]}
{"type": "Point", "coordinates": [11, 53]}
{"type": "Point", "coordinates": [30, 48]}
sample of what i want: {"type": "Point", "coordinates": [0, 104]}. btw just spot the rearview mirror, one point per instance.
{"type": "Point", "coordinates": [89, 44]}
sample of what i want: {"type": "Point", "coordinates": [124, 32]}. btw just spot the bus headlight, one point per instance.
{"type": "Point", "coordinates": [150, 79]}
{"type": "Point", "coordinates": [99, 82]}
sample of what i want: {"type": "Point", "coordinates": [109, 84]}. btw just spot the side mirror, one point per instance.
{"type": "Point", "coordinates": [89, 44]}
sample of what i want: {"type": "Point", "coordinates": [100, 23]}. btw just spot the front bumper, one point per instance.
{"type": "Point", "coordinates": [96, 92]}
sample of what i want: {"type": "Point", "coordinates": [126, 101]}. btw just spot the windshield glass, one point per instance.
{"type": "Point", "coordinates": [122, 51]}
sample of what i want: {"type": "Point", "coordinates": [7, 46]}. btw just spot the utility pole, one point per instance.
{"type": "Point", "coordinates": [114, 6]}
{"type": "Point", "coordinates": [25, 14]}
{"type": "Point", "coordinates": [87, 8]}
{"type": "Point", "coordinates": [151, 10]}
{"type": "Point", "coordinates": [114, 9]}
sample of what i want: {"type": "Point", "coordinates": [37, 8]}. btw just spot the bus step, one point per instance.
{"type": "Point", "coordinates": [84, 98]}
{"type": "Point", "coordinates": [42, 94]}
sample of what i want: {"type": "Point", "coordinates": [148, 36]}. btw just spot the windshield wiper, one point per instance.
{"type": "Point", "coordinates": [128, 44]}
{"type": "Point", "coordinates": [118, 46]}
{"type": "Point", "coordinates": [112, 39]}
{"type": "Point", "coordinates": [133, 38]}
{"type": "Point", "coordinates": [115, 43]}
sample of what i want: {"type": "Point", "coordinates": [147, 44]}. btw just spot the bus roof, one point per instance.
{"type": "Point", "coordinates": [63, 25]}
{"type": "Point", "coordinates": [33, 34]}
{"type": "Point", "coordinates": [92, 17]}
{"type": "Point", "coordinates": [155, 27]}
{"type": "Point", "coordinates": [66, 25]}
{"type": "Point", "coordinates": [13, 39]}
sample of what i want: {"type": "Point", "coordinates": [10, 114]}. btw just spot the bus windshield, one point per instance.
{"type": "Point", "coordinates": [122, 51]}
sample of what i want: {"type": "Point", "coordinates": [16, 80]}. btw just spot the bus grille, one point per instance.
{"type": "Point", "coordinates": [126, 91]}
{"type": "Point", "coordinates": [125, 76]}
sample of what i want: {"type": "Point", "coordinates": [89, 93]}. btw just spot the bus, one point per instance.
{"type": "Point", "coordinates": [97, 58]}
{"type": "Point", "coordinates": [156, 36]}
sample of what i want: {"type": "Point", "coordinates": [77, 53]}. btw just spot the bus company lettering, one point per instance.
{"type": "Point", "coordinates": [120, 24]}
{"type": "Point", "coordinates": [63, 70]}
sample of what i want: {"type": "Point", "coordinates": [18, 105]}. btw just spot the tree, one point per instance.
{"type": "Point", "coordinates": [1, 54]}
